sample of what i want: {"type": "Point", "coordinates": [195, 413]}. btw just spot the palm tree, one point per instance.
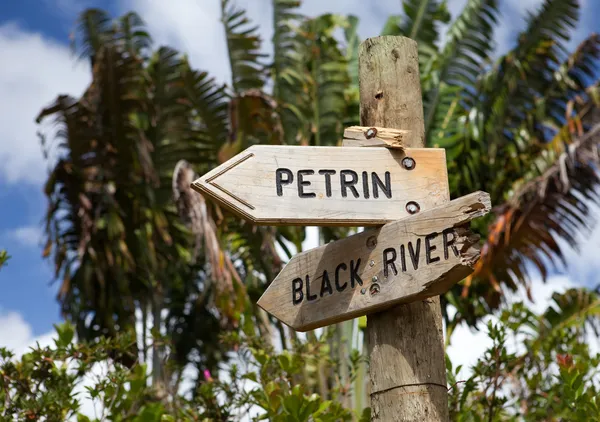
{"type": "Point", "coordinates": [119, 240]}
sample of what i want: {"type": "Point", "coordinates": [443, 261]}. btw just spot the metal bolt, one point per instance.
{"type": "Point", "coordinates": [374, 279]}
{"type": "Point", "coordinates": [371, 242]}
{"type": "Point", "coordinates": [371, 133]}
{"type": "Point", "coordinates": [372, 263]}
{"type": "Point", "coordinates": [363, 291]}
{"type": "Point", "coordinates": [374, 289]}
{"type": "Point", "coordinates": [408, 163]}
{"type": "Point", "coordinates": [412, 207]}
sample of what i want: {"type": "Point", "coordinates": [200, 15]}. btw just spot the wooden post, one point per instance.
{"type": "Point", "coordinates": [406, 344]}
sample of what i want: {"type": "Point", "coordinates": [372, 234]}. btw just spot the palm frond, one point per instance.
{"type": "Point", "coordinates": [132, 33]}
{"type": "Point", "coordinates": [352, 114]}
{"type": "Point", "coordinates": [286, 61]}
{"type": "Point", "coordinates": [290, 81]}
{"type": "Point", "coordinates": [253, 118]}
{"type": "Point", "coordinates": [575, 308]}
{"type": "Point", "coordinates": [243, 43]}
{"type": "Point", "coordinates": [209, 118]}
{"type": "Point", "coordinates": [500, 121]}
{"type": "Point", "coordinates": [454, 72]}
{"type": "Point", "coordinates": [555, 205]}
{"type": "Point", "coordinates": [94, 28]}
{"type": "Point", "coordinates": [327, 69]}
{"type": "Point", "coordinates": [419, 21]}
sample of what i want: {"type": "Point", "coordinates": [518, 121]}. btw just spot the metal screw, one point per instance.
{"type": "Point", "coordinates": [374, 279]}
{"type": "Point", "coordinates": [408, 163]}
{"type": "Point", "coordinates": [371, 133]}
{"type": "Point", "coordinates": [412, 207]}
{"type": "Point", "coordinates": [371, 242]}
{"type": "Point", "coordinates": [372, 263]}
{"type": "Point", "coordinates": [363, 291]}
{"type": "Point", "coordinates": [374, 289]}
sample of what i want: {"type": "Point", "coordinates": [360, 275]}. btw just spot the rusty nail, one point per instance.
{"type": "Point", "coordinates": [370, 133]}
{"type": "Point", "coordinates": [412, 207]}
{"type": "Point", "coordinates": [408, 163]}
{"type": "Point", "coordinates": [371, 242]}
{"type": "Point", "coordinates": [374, 289]}
{"type": "Point", "coordinates": [363, 291]}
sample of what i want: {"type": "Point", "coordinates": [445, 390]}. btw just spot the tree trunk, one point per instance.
{"type": "Point", "coordinates": [156, 349]}
{"type": "Point", "coordinates": [406, 345]}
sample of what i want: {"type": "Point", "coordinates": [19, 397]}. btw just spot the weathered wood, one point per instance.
{"type": "Point", "coordinates": [365, 136]}
{"type": "Point", "coordinates": [404, 261]}
{"type": "Point", "coordinates": [299, 185]}
{"type": "Point", "coordinates": [406, 343]}
{"type": "Point", "coordinates": [390, 87]}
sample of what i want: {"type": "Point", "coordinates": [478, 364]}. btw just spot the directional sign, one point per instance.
{"type": "Point", "coordinates": [404, 261]}
{"type": "Point", "coordinates": [299, 185]}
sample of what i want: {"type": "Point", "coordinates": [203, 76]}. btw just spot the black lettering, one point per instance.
{"type": "Point", "coordinates": [365, 181]}
{"type": "Point", "coordinates": [327, 174]}
{"type": "Point", "coordinates": [377, 183]}
{"type": "Point", "coordinates": [280, 181]}
{"type": "Point", "coordinates": [414, 257]}
{"type": "Point", "coordinates": [430, 248]}
{"type": "Point", "coordinates": [449, 242]}
{"type": "Point", "coordinates": [302, 183]}
{"type": "Point", "coordinates": [297, 294]}
{"type": "Point", "coordinates": [349, 183]}
{"type": "Point", "coordinates": [338, 287]}
{"type": "Point", "coordinates": [389, 261]}
{"type": "Point", "coordinates": [354, 273]}
{"type": "Point", "coordinates": [325, 284]}
{"type": "Point", "coordinates": [308, 296]}
{"type": "Point", "coordinates": [403, 257]}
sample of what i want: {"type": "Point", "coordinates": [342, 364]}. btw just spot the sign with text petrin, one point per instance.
{"type": "Point", "coordinates": [348, 183]}
{"type": "Point", "coordinates": [297, 185]}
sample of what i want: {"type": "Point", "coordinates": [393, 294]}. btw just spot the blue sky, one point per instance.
{"type": "Point", "coordinates": [37, 66]}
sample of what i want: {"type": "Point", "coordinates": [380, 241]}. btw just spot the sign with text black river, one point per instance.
{"type": "Point", "coordinates": [404, 261]}
{"type": "Point", "coordinates": [354, 186]}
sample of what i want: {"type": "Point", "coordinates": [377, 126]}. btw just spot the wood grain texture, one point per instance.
{"type": "Point", "coordinates": [365, 136]}
{"type": "Point", "coordinates": [404, 261]}
{"type": "Point", "coordinates": [248, 184]}
{"type": "Point", "coordinates": [406, 344]}
{"type": "Point", "coordinates": [390, 88]}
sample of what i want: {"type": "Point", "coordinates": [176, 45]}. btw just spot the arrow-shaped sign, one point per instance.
{"type": "Point", "coordinates": [404, 261]}
{"type": "Point", "coordinates": [354, 186]}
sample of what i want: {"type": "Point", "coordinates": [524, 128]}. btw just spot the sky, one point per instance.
{"type": "Point", "coordinates": [37, 66]}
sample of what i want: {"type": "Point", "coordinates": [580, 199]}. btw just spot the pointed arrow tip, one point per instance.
{"type": "Point", "coordinates": [271, 303]}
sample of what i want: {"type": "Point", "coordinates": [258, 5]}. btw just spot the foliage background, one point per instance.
{"type": "Point", "coordinates": [497, 141]}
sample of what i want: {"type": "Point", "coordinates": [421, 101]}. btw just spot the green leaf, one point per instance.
{"type": "Point", "coordinates": [66, 333]}
{"type": "Point", "coordinates": [244, 44]}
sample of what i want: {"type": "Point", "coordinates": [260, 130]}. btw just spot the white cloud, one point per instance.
{"type": "Point", "coordinates": [27, 235]}
{"type": "Point", "coordinates": [15, 332]}
{"type": "Point", "coordinates": [192, 26]}
{"type": "Point", "coordinates": [39, 70]}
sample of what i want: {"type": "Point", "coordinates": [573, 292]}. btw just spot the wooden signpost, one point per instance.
{"type": "Point", "coordinates": [296, 185]}
{"type": "Point", "coordinates": [379, 176]}
{"type": "Point", "coordinates": [404, 261]}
